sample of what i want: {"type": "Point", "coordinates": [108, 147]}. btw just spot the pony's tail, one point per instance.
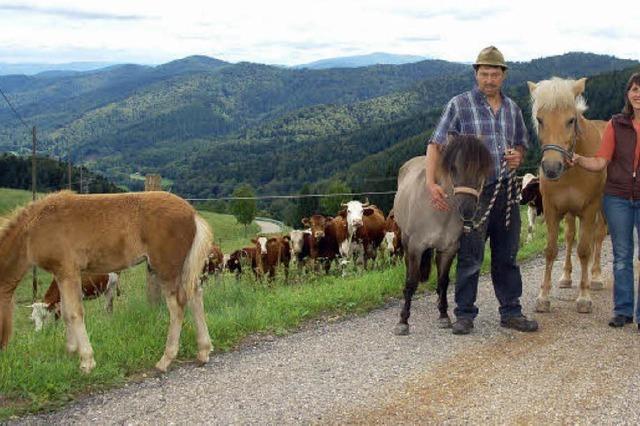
{"type": "Point", "coordinates": [195, 260]}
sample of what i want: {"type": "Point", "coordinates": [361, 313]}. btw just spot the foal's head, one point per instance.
{"type": "Point", "coordinates": [556, 106]}
{"type": "Point", "coordinates": [466, 163]}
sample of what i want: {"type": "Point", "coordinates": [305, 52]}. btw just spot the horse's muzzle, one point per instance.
{"type": "Point", "coordinates": [552, 170]}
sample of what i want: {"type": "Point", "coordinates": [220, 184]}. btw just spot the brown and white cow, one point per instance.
{"type": "Point", "coordinates": [278, 253]}
{"type": "Point", "coordinates": [392, 238]}
{"type": "Point", "coordinates": [323, 244]}
{"type": "Point", "coordinates": [365, 226]}
{"type": "Point", "coordinates": [93, 286]}
{"type": "Point", "coordinates": [243, 258]}
{"type": "Point", "coordinates": [532, 198]}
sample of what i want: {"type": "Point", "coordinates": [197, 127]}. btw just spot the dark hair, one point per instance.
{"type": "Point", "coordinates": [628, 108]}
{"type": "Point", "coordinates": [473, 153]}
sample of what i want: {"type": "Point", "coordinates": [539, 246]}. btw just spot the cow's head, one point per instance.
{"type": "Point", "coordinates": [353, 212]}
{"type": "Point", "coordinates": [233, 262]}
{"type": "Point", "coordinates": [530, 188]}
{"type": "Point", "coordinates": [389, 239]}
{"type": "Point", "coordinates": [297, 240]}
{"type": "Point", "coordinates": [39, 314]}
{"type": "Point", "coordinates": [261, 244]}
{"type": "Point", "coordinates": [316, 223]}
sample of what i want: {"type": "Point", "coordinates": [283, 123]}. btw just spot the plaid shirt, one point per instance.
{"type": "Point", "coordinates": [470, 114]}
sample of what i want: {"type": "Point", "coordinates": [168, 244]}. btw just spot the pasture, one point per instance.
{"type": "Point", "coordinates": [37, 374]}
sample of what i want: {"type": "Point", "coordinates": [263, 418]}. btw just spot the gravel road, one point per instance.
{"type": "Point", "coordinates": [268, 227]}
{"type": "Point", "coordinates": [574, 370]}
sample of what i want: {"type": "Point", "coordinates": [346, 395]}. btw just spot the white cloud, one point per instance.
{"type": "Point", "coordinates": [288, 31]}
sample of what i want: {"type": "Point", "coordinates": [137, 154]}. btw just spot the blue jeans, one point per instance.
{"type": "Point", "coordinates": [505, 272]}
{"type": "Point", "coordinates": [622, 216]}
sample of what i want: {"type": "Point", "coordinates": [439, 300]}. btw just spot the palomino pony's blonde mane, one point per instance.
{"type": "Point", "coordinates": [553, 94]}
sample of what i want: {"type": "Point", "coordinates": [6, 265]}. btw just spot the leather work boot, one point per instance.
{"type": "Point", "coordinates": [462, 326]}
{"type": "Point", "coordinates": [520, 323]}
{"type": "Point", "coordinates": [620, 321]}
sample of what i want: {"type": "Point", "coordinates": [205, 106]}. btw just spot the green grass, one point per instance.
{"type": "Point", "coordinates": [12, 198]}
{"type": "Point", "coordinates": [36, 373]}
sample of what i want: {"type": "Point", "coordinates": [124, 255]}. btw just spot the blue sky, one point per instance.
{"type": "Point", "coordinates": [298, 31]}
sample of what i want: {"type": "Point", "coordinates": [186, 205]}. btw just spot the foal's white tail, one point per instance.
{"type": "Point", "coordinates": [195, 260]}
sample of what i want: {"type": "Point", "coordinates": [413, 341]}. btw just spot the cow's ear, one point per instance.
{"type": "Point", "coordinates": [367, 212]}
{"type": "Point", "coordinates": [328, 218]}
{"type": "Point", "coordinates": [254, 241]}
{"type": "Point", "coordinates": [286, 238]}
{"type": "Point", "coordinates": [343, 213]}
{"type": "Point", "coordinates": [305, 221]}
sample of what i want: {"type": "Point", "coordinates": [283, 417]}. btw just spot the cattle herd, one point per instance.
{"type": "Point", "coordinates": [355, 234]}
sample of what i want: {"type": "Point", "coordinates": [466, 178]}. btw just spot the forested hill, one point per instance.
{"type": "Point", "coordinates": [209, 125]}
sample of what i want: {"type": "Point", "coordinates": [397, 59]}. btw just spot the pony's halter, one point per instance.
{"type": "Point", "coordinates": [460, 189]}
{"type": "Point", "coordinates": [514, 194]}
{"type": "Point", "coordinates": [566, 153]}
{"type": "Point", "coordinates": [467, 190]}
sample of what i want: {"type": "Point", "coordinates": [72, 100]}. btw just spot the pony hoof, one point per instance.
{"type": "Point", "coordinates": [203, 357]}
{"type": "Point", "coordinates": [543, 305]}
{"type": "Point", "coordinates": [564, 284]}
{"type": "Point", "coordinates": [401, 329]}
{"type": "Point", "coordinates": [444, 322]}
{"type": "Point", "coordinates": [87, 366]}
{"type": "Point", "coordinates": [584, 306]}
{"type": "Point", "coordinates": [163, 365]}
{"type": "Point", "coordinates": [596, 285]}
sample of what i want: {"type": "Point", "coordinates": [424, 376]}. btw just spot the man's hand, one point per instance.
{"type": "Point", "coordinates": [438, 197]}
{"type": "Point", "coordinates": [513, 157]}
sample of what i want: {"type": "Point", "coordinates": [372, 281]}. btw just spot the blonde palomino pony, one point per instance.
{"type": "Point", "coordinates": [68, 234]}
{"type": "Point", "coordinates": [557, 108]}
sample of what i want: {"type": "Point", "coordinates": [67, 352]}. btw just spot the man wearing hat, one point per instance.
{"type": "Point", "coordinates": [487, 113]}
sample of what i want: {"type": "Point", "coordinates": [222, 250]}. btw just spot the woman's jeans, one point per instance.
{"type": "Point", "coordinates": [622, 216]}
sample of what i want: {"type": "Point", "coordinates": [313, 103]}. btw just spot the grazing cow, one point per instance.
{"type": "Point", "coordinates": [532, 198]}
{"type": "Point", "coordinates": [215, 260]}
{"type": "Point", "coordinates": [393, 237]}
{"type": "Point", "coordinates": [365, 225]}
{"type": "Point", "coordinates": [244, 257]}
{"type": "Point", "coordinates": [323, 244]}
{"type": "Point", "coordinates": [93, 285]}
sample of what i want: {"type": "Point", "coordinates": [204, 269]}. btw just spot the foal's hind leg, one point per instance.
{"type": "Point", "coordinates": [176, 316]}
{"type": "Point", "coordinates": [73, 315]}
{"type": "Point", "coordinates": [413, 259]}
{"type": "Point", "coordinates": [443, 264]}
{"type": "Point", "coordinates": [569, 236]}
{"type": "Point", "coordinates": [202, 332]}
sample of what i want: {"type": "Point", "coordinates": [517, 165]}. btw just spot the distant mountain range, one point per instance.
{"type": "Point", "coordinates": [53, 69]}
{"type": "Point", "coordinates": [377, 58]}
{"type": "Point", "coordinates": [210, 125]}
{"type": "Point", "coordinates": [380, 58]}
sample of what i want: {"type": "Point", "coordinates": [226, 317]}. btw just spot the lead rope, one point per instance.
{"type": "Point", "coordinates": [514, 195]}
